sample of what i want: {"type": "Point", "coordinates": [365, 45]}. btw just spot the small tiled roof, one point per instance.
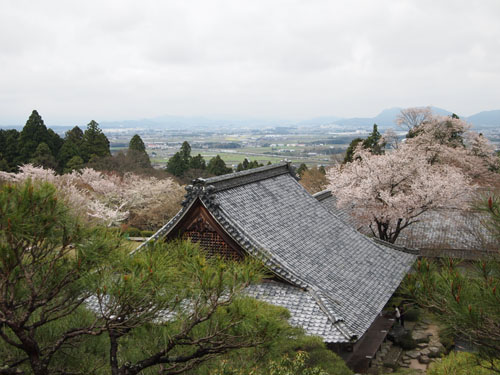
{"type": "Point", "coordinates": [449, 229]}
{"type": "Point", "coordinates": [305, 311]}
{"type": "Point", "coordinates": [444, 228]}
{"type": "Point", "coordinates": [275, 219]}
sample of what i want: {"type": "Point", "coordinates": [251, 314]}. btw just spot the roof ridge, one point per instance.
{"type": "Point", "coordinates": [235, 179]}
{"type": "Point", "coordinates": [325, 304]}
{"type": "Point", "coordinates": [403, 249]}
{"type": "Point", "coordinates": [255, 249]}
{"type": "Point", "coordinates": [321, 195]}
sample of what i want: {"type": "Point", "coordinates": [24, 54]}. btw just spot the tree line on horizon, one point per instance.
{"type": "Point", "coordinates": [183, 164]}
{"type": "Point", "coordinates": [41, 146]}
{"type": "Point", "coordinates": [38, 145]}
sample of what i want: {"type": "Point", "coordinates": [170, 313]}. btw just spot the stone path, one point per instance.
{"type": "Point", "coordinates": [428, 348]}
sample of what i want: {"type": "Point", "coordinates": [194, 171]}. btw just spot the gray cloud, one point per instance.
{"type": "Point", "coordinates": [75, 61]}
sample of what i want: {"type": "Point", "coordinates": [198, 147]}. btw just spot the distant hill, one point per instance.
{"type": "Point", "coordinates": [486, 118]}
{"type": "Point", "coordinates": [385, 119]}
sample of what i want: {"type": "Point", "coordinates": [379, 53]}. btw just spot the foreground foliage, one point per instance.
{"type": "Point", "coordinates": [464, 297]}
{"type": "Point", "coordinates": [71, 301]}
{"type": "Point", "coordinates": [458, 363]}
{"type": "Point", "coordinates": [283, 366]}
{"type": "Point", "coordinates": [47, 260]}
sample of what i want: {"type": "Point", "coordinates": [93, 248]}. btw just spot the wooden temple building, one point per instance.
{"type": "Point", "coordinates": [334, 280]}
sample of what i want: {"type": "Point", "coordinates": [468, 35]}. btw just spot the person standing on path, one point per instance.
{"type": "Point", "coordinates": [397, 313]}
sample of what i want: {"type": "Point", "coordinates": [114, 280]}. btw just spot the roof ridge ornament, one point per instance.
{"type": "Point", "coordinates": [199, 189]}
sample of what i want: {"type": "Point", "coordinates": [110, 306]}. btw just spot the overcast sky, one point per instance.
{"type": "Point", "coordinates": [75, 61]}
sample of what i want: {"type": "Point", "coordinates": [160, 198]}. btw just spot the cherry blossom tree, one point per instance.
{"type": "Point", "coordinates": [435, 167]}
{"type": "Point", "coordinates": [389, 192]}
{"type": "Point", "coordinates": [105, 197]}
{"type": "Point", "coordinates": [412, 117]}
{"type": "Point", "coordinates": [450, 140]}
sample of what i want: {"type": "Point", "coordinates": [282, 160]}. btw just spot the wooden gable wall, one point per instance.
{"type": "Point", "coordinates": [199, 226]}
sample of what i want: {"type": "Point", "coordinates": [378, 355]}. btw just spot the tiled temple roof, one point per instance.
{"type": "Point", "coordinates": [345, 277]}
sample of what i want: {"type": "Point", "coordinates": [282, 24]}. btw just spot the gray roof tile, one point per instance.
{"type": "Point", "coordinates": [349, 276]}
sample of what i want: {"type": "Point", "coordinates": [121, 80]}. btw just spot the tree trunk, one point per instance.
{"type": "Point", "coordinates": [113, 353]}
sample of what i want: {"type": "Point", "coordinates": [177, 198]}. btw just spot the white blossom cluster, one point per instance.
{"type": "Point", "coordinates": [105, 197]}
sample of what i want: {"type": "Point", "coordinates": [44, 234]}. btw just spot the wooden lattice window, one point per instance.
{"type": "Point", "coordinates": [210, 241]}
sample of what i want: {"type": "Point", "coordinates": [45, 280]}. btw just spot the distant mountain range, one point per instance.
{"type": "Point", "coordinates": [385, 119]}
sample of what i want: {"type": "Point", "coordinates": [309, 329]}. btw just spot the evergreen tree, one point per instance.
{"type": "Point", "coordinates": [465, 299]}
{"type": "Point", "coordinates": [9, 150]}
{"type": "Point", "coordinates": [137, 152]}
{"type": "Point", "coordinates": [137, 144]}
{"type": "Point", "coordinates": [34, 133]}
{"type": "Point", "coordinates": [197, 162]}
{"type": "Point", "coordinates": [48, 263]}
{"type": "Point", "coordinates": [43, 157]}
{"type": "Point", "coordinates": [95, 143]}
{"type": "Point", "coordinates": [372, 143]}
{"type": "Point", "coordinates": [177, 165]}
{"type": "Point", "coordinates": [74, 136]}
{"type": "Point", "coordinates": [181, 161]}
{"type": "Point", "coordinates": [349, 154]}
{"type": "Point", "coordinates": [254, 164]}
{"type": "Point", "coordinates": [301, 169]}
{"type": "Point", "coordinates": [71, 147]}
{"type": "Point", "coordinates": [73, 301]}
{"type": "Point", "coordinates": [242, 166]}
{"type": "Point", "coordinates": [216, 166]}
{"type": "Point", "coordinates": [186, 151]}
{"type": "Point", "coordinates": [75, 163]}
{"type": "Point", "coordinates": [55, 142]}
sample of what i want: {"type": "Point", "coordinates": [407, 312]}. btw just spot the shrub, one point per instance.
{"type": "Point", "coordinates": [147, 233]}
{"type": "Point", "coordinates": [407, 342]}
{"type": "Point", "coordinates": [412, 315]}
{"type": "Point", "coordinates": [458, 363]}
{"type": "Point", "coordinates": [446, 337]}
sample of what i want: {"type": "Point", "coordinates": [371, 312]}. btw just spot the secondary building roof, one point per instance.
{"type": "Point", "coordinates": [337, 280]}
{"type": "Point", "coordinates": [438, 232]}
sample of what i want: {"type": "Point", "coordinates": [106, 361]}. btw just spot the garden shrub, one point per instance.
{"type": "Point", "coordinates": [412, 315]}
{"type": "Point", "coordinates": [458, 363]}
{"type": "Point", "coordinates": [407, 342]}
